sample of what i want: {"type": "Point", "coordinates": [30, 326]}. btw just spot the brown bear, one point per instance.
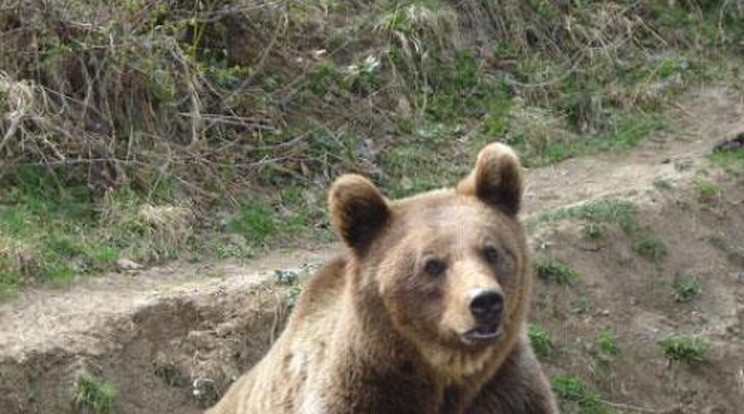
{"type": "Point", "coordinates": [424, 311]}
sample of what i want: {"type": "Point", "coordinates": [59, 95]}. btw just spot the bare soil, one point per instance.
{"type": "Point", "coordinates": [171, 339]}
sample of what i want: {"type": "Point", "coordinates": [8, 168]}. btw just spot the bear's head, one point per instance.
{"type": "Point", "coordinates": [449, 267]}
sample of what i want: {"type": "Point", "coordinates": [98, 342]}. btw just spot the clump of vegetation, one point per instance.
{"type": "Point", "coordinates": [662, 184]}
{"type": "Point", "coordinates": [684, 347]}
{"type": "Point", "coordinates": [607, 345]}
{"type": "Point", "coordinates": [170, 373]}
{"type": "Point", "coordinates": [555, 271]}
{"type": "Point", "coordinates": [592, 231]}
{"type": "Point", "coordinates": [581, 305]}
{"type": "Point", "coordinates": [651, 247]}
{"type": "Point", "coordinates": [594, 213]}
{"type": "Point", "coordinates": [686, 288]}
{"type": "Point", "coordinates": [285, 277]}
{"type": "Point", "coordinates": [577, 397]}
{"type": "Point", "coordinates": [731, 160]}
{"type": "Point", "coordinates": [293, 294]}
{"type": "Point", "coordinates": [540, 340]}
{"type": "Point", "coordinates": [706, 190]}
{"type": "Point", "coordinates": [94, 394]}
{"type": "Point", "coordinates": [733, 251]}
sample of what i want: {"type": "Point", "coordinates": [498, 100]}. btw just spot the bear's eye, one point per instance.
{"type": "Point", "coordinates": [491, 254]}
{"type": "Point", "coordinates": [434, 267]}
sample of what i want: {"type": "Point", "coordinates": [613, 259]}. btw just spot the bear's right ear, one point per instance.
{"type": "Point", "coordinates": [358, 210]}
{"type": "Point", "coordinates": [496, 179]}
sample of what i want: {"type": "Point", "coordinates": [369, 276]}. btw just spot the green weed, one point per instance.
{"type": "Point", "coordinates": [592, 231]}
{"type": "Point", "coordinates": [686, 288]}
{"type": "Point", "coordinates": [684, 348]}
{"type": "Point", "coordinates": [733, 251]}
{"type": "Point", "coordinates": [730, 161]}
{"type": "Point", "coordinates": [625, 135]}
{"type": "Point", "coordinates": [607, 344]}
{"type": "Point", "coordinates": [293, 294]}
{"type": "Point", "coordinates": [581, 305]}
{"type": "Point", "coordinates": [577, 397]}
{"type": "Point", "coordinates": [285, 277]}
{"type": "Point", "coordinates": [620, 212]}
{"type": "Point", "coordinates": [651, 247]}
{"type": "Point", "coordinates": [556, 271]}
{"type": "Point", "coordinates": [94, 394]}
{"type": "Point", "coordinates": [662, 184]}
{"type": "Point", "coordinates": [706, 190]}
{"type": "Point", "coordinates": [256, 222]}
{"type": "Point", "coordinates": [170, 373]}
{"type": "Point", "coordinates": [540, 340]}
{"type": "Point", "coordinates": [413, 168]}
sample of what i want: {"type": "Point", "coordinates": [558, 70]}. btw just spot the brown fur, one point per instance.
{"type": "Point", "coordinates": [380, 329]}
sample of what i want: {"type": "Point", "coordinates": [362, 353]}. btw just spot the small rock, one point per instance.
{"type": "Point", "coordinates": [319, 53]}
{"type": "Point", "coordinates": [125, 265]}
{"type": "Point", "coordinates": [606, 312]}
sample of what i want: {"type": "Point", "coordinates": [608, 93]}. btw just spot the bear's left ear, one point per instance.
{"type": "Point", "coordinates": [358, 210]}
{"type": "Point", "coordinates": [496, 179]}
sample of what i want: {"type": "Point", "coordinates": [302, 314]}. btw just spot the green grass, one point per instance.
{"type": "Point", "coordinates": [684, 348]}
{"type": "Point", "coordinates": [285, 277]}
{"type": "Point", "coordinates": [607, 345]}
{"type": "Point", "coordinates": [730, 161]}
{"type": "Point", "coordinates": [581, 305]}
{"type": "Point", "coordinates": [686, 288]}
{"type": "Point", "coordinates": [49, 238]}
{"type": "Point", "coordinates": [613, 211]}
{"type": "Point", "coordinates": [540, 340]}
{"type": "Point", "coordinates": [626, 134]}
{"type": "Point", "coordinates": [53, 234]}
{"type": "Point", "coordinates": [170, 374]}
{"type": "Point", "coordinates": [555, 271]}
{"type": "Point", "coordinates": [651, 247]}
{"type": "Point", "coordinates": [662, 184]}
{"type": "Point", "coordinates": [592, 231]}
{"type": "Point", "coordinates": [576, 397]}
{"type": "Point", "coordinates": [256, 222]}
{"type": "Point", "coordinates": [94, 394]}
{"type": "Point", "coordinates": [733, 251]}
{"type": "Point", "coordinates": [293, 295]}
{"type": "Point", "coordinates": [413, 167]}
{"type": "Point", "coordinates": [706, 190]}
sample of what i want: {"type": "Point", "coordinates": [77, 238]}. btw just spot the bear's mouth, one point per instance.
{"type": "Point", "coordinates": [484, 333]}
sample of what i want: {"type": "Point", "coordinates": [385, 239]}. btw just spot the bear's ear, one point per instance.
{"type": "Point", "coordinates": [358, 210]}
{"type": "Point", "coordinates": [496, 179]}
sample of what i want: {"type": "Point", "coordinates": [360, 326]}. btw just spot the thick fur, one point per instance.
{"type": "Point", "coordinates": [380, 329]}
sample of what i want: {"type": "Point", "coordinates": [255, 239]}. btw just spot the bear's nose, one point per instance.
{"type": "Point", "coordinates": [486, 306]}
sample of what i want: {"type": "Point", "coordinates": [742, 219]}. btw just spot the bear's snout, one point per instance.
{"type": "Point", "coordinates": [486, 307]}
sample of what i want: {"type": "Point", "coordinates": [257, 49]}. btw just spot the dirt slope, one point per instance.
{"type": "Point", "coordinates": [172, 338]}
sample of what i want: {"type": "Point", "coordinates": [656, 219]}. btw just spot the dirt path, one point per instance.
{"type": "Point", "coordinates": [705, 117]}
{"type": "Point", "coordinates": [103, 316]}
{"type": "Point", "coordinates": [80, 319]}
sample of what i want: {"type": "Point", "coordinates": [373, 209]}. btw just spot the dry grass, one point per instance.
{"type": "Point", "coordinates": [205, 112]}
{"type": "Point", "coordinates": [211, 93]}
